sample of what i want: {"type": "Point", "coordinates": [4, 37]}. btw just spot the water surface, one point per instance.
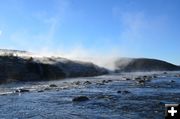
{"type": "Point", "coordinates": [142, 101]}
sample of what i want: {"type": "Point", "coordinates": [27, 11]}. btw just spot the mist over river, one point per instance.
{"type": "Point", "coordinates": [114, 96]}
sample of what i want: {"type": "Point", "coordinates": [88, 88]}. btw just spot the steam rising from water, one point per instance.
{"type": "Point", "coordinates": [103, 60]}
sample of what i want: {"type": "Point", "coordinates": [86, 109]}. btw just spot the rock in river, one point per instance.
{"type": "Point", "coordinates": [53, 85]}
{"type": "Point", "coordinates": [87, 83]}
{"type": "Point", "coordinates": [21, 90]}
{"type": "Point", "coordinates": [80, 99]}
{"type": "Point", "coordinates": [123, 92]}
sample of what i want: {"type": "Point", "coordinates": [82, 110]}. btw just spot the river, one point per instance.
{"type": "Point", "coordinates": [114, 96]}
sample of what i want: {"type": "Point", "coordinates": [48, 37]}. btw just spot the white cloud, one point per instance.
{"type": "Point", "coordinates": [52, 22]}
{"type": "Point", "coordinates": [137, 24]}
{"type": "Point", "coordinates": [138, 30]}
{"type": "Point", "coordinates": [26, 38]}
{"type": "Point", "coordinates": [0, 32]}
{"type": "Point", "coordinates": [133, 26]}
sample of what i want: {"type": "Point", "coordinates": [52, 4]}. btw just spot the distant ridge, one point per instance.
{"type": "Point", "coordinates": [143, 64]}
{"type": "Point", "coordinates": [10, 50]}
{"type": "Point", "coordinates": [13, 52]}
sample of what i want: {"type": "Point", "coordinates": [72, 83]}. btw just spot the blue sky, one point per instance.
{"type": "Point", "coordinates": [122, 28]}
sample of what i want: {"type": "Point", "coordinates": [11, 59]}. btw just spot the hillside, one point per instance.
{"type": "Point", "coordinates": [144, 64]}
{"type": "Point", "coordinates": [26, 68]}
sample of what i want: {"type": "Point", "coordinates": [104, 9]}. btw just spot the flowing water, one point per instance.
{"type": "Point", "coordinates": [110, 97]}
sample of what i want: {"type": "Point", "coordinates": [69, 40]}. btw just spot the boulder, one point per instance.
{"type": "Point", "coordinates": [80, 99]}
{"type": "Point", "coordinates": [22, 90]}
{"type": "Point", "coordinates": [87, 83]}
{"type": "Point", "coordinates": [123, 92]}
{"type": "Point", "coordinates": [53, 85]}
